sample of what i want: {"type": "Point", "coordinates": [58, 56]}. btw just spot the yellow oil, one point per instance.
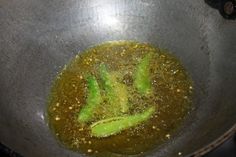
{"type": "Point", "coordinates": [172, 96]}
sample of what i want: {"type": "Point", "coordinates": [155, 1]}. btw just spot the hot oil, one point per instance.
{"type": "Point", "coordinates": [172, 90]}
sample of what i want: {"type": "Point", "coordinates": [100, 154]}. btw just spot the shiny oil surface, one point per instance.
{"type": "Point", "coordinates": [171, 95]}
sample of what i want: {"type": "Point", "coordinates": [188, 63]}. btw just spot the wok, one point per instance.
{"type": "Point", "coordinates": [37, 37]}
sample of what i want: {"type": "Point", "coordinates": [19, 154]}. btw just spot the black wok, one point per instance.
{"type": "Point", "coordinates": [37, 37]}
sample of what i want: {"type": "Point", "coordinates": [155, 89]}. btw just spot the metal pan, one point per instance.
{"type": "Point", "coordinates": [37, 37]}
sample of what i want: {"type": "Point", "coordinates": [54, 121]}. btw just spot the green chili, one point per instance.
{"type": "Point", "coordinates": [115, 91]}
{"type": "Point", "coordinates": [92, 101]}
{"type": "Point", "coordinates": [142, 77]}
{"type": "Point", "coordinates": [112, 126]}
{"type": "Point", "coordinates": [108, 85]}
{"type": "Point", "coordinates": [122, 97]}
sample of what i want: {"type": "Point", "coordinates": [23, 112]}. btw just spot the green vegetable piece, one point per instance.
{"type": "Point", "coordinates": [106, 77]}
{"type": "Point", "coordinates": [115, 125]}
{"type": "Point", "coordinates": [122, 97]}
{"type": "Point", "coordinates": [142, 79]}
{"type": "Point", "coordinates": [116, 92]}
{"type": "Point", "coordinates": [93, 100]}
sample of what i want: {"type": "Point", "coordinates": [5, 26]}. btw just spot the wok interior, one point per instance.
{"type": "Point", "coordinates": [39, 37]}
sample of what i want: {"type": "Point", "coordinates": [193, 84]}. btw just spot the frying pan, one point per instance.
{"type": "Point", "coordinates": [38, 37]}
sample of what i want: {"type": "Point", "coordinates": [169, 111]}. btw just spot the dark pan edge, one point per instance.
{"type": "Point", "coordinates": [216, 143]}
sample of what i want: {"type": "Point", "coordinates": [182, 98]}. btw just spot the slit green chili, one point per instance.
{"type": "Point", "coordinates": [115, 125]}
{"type": "Point", "coordinates": [93, 100]}
{"type": "Point", "coordinates": [142, 79]}
{"type": "Point", "coordinates": [116, 92]}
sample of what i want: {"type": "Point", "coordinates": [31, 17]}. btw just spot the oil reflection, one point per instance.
{"type": "Point", "coordinates": [107, 17]}
{"type": "Point", "coordinates": [40, 115]}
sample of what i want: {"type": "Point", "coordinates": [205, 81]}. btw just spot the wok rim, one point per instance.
{"type": "Point", "coordinates": [215, 143]}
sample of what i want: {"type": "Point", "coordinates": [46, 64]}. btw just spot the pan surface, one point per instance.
{"type": "Point", "coordinates": [37, 38]}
